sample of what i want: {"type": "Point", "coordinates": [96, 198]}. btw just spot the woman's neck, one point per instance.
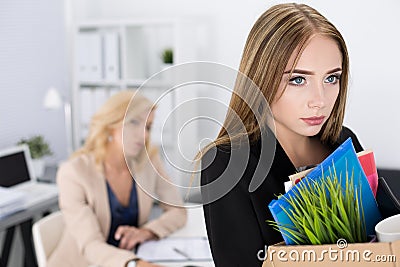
{"type": "Point", "coordinates": [295, 148]}
{"type": "Point", "coordinates": [303, 150]}
{"type": "Point", "coordinates": [115, 161]}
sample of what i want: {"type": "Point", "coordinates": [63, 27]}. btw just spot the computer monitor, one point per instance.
{"type": "Point", "coordinates": [15, 166]}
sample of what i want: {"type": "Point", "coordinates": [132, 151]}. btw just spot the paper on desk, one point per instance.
{"type": "Point", "coordinates": [10, 201]}
{"type": "Point", "coordinates": [196, 248]}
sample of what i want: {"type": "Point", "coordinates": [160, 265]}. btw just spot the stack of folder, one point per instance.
{"type": "Point", "coordinates": [343, 159]}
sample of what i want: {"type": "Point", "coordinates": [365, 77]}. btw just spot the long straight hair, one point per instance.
{"type": "Point", "coordinates": [282, 30]}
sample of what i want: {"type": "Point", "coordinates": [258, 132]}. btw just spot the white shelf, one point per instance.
{"type": "Point", "coordinates": [83, 25]}
{"type": "Point", "coordinates": [100, 84]}
{"type": "Point", "coordinates": [139, 44]}
{"type": "Point", "coordinates": [126, 84]}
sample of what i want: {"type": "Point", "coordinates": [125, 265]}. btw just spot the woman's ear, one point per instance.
{"type": "Point", "coordinates": [110, 133]}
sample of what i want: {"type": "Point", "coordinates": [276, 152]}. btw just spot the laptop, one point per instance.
{"type": "Point", "coordinates": [17, 175]}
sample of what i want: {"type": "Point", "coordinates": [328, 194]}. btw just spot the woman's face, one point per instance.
{"type": "Point", "coordinates": [136, 131]}
{"type": "Point", "coordinates": [312, 89]}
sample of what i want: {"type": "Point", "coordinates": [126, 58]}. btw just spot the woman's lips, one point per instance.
{"type": "Point", "coordinates": [312, 121]}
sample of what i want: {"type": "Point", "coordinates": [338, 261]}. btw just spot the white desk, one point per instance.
{"type": "Point", "coordinates": [195, 227]}
{"type": "Point", "coordinates": [24, 220]}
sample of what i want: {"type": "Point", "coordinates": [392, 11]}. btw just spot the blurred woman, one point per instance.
{"type": "Point", "coordinates": [107, 189]}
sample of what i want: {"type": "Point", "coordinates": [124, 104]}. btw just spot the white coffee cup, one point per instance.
{"type": "Point", "coordinates": [388, 230]}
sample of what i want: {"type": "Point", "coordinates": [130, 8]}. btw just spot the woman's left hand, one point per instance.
{"type": "Point", "coordinates": [130, 236]}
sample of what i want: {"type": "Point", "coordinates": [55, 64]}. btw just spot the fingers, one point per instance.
{"type": "Point", "coordinates": [120, 232]}
{"type": "Point", "coordinates": [128, 241]}
{"type": "Point", "coordinates": [125, 234]}
{"type": "Point", "coordinates": [131, 236]}
{"type": "Point", "coordinates": [132, 243]}
{"type": "Point", "coordinates": [123, 230]}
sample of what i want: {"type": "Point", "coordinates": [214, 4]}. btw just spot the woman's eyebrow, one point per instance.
{"type": "Point", "coordinates": [307, 72]}
{"type": "Point", "coordinates": [335, 70]}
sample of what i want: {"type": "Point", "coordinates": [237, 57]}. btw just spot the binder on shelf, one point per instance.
{"type": "Point", "coordinates": [86, 107]}
{"type": "Point", "coordinates": [82, 71]}
{"type": "Point", "coordinates": [91, 100]}
{"type": "Point", "coordinates": [111, 56]}
{"type": "Point", "coordinates": [89, 56]}
{"type": "Point", "coordinates": [100, 97]}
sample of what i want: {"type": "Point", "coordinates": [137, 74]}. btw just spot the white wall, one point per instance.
{"type": "Point", "coordinates": [32, 58]}
{"type": "Point", "coordinates": [369, 27]}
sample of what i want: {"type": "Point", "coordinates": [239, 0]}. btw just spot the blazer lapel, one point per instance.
{"type": "Point", "coordinates": [140, 196]}
{"type": "Point", "coordinates": [103, 206]}
{"type": "Point", "coordinates": [140, 182]}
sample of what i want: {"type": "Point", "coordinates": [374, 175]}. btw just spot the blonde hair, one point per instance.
{"type": "Point", "coordinates": [274, 37]}
{"type": "Point", "coordinates": [126, 103]}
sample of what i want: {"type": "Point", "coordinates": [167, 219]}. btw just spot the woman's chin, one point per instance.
{"type": "Point", "coordinates": [312, 131]}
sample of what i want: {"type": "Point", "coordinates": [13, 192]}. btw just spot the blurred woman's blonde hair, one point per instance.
{"type": "Point", "coordinates": [112, 114]}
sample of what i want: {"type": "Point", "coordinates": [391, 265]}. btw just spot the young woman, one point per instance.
{"type": "Point", "coordinates": [299, 63]}
{"type": "Point", "coordinates": [106, 189]}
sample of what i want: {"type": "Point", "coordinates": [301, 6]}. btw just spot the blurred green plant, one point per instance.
{"type": "Point", "coordinates": [168, 56]}
{"type": "Point", "coordinates": [322, 211]}
{"type": "Point", "coordinates": [38, 147]}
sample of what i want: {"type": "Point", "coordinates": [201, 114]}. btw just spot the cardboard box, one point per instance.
{"type": "Point", "coordinates": [341, 254]}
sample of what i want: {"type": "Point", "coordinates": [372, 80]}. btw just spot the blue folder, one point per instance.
{"type": "Point", "coordinates": [343, 158]}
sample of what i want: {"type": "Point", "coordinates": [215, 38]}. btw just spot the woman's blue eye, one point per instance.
{"type": "Point", "coordinates": [333, 79]}
{"type": "Point", "coordinates": [134, 122]}
{"type": "Point", "coordinates": [297, 80]}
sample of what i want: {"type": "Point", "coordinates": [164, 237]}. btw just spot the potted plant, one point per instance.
{"type": "Point", "coordinates": [38, 148]}
{"type": "Point", "coordinates": [168, 56]}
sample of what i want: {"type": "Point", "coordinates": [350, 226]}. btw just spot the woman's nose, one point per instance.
{"type": "Point", "coordinates": [316, 99]}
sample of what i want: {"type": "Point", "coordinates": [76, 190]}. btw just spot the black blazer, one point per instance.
{"type": "Point", "coordinates": [236, 223]}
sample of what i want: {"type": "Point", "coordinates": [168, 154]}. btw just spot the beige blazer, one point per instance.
{"type": "Point", "coordinates": [84, 203]}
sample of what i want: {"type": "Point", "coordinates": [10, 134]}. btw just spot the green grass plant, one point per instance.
{"type": "Point", "coordinates": [323, 210]}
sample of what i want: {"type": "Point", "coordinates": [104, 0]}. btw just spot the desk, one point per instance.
{"type": "Point", "coordinates": [195, 227]}
{"type": "Point", "coordinates": [24, 220]}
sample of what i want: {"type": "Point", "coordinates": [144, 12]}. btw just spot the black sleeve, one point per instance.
{"type": "Point", "coordinates": [346, 133]}
{"type": "Point", "coordinates": [231, 223]}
